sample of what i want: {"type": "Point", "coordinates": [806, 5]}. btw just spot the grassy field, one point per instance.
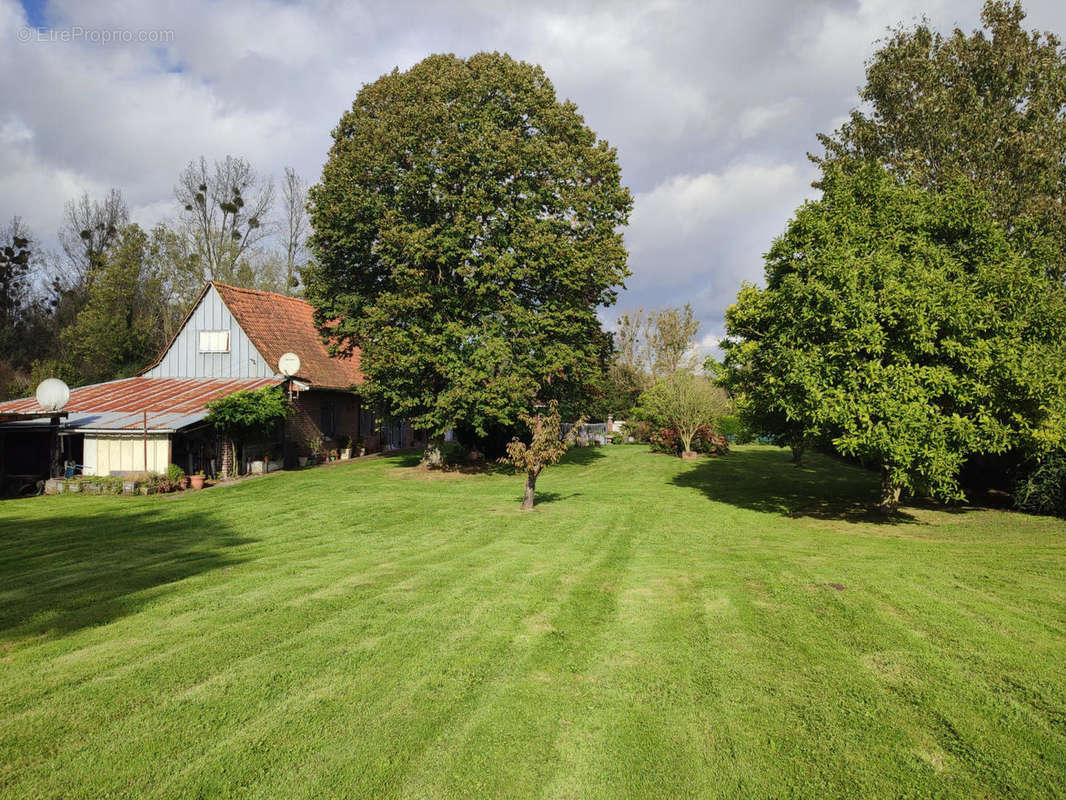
{"type": "Point", "coordinates": [725, 628]}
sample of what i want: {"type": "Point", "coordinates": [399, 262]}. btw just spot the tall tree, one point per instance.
{"type": "Point", "coordinates": [648, 346]}
{"type": "Point", "coordinates": [671, 341]}
{"type": "Point", "coordinates": [294, 227]}
{"type": "Point", "coordinates": [15, 280]}
{"type": "Point", "coordinates": [987, 106]}
{"type": "Point", "coordinates": [224, 210]}
{"type": "Point", "coordinates": [466, 229]}
{"type": "Point", "coordinates": [126, 318]}
{"type": "Point", "coordinates": [903, 327]}
{"type": "Point", "coordinates": [89, 228]}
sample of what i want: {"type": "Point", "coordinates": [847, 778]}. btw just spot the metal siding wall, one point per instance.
{"type": "Point", "coordinates": [118, 453]}
{"type": "Point", "coordinates": [184, 359]}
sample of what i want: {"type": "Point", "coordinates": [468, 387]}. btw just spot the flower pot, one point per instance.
{"type": "Point", "coordinates": [346, 454]}
{"type": "Point", "coordinates": [362, 452]}
{"type": "Point", "coordinates": [197, 481]}
{"type": "Point", "coordinates": [303, 461]}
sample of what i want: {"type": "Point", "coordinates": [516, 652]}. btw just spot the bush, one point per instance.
{"type": "Point", "coordinates": [640, 431]}
{"type": "Point", "coordinates": [1043, 489]}
{"type": "Point", "coordinates": [175, 473]}
{"type": "Point", "coordinates": [707, 440]}
{"type": "Point", "coordinates": [735, 429]}
{"type": "Point", "coordinates": [163, 483]}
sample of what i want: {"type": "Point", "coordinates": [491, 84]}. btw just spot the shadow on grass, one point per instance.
{"type": "Point", "coordinates": [552, 497]}
{"type": "Point", "coordinates": [69, 571]}
{"type": "Point", "coordinates": [582, 455]}
{"type": "Point", "coordinates": [765, 480]}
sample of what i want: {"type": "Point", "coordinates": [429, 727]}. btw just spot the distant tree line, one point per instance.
{"type": "Point", "coordinates": [105, 303]}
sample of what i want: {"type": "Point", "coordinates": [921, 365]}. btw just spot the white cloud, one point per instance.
{"type": "Point", "coordinates": [712, 105]}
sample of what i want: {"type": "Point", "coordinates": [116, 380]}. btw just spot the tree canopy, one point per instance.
{"type": "Point", "coordinates": [986, 106]}
{"type": "Point", "coordinates": [903, 327]}
{"type": "Point", "coordinates": [247, 413]}
{"type": "Point", "coordinates": [466, 229]}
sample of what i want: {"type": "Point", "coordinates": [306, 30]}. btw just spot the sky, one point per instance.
{"type": "Point", "coordinates": [712, 106]}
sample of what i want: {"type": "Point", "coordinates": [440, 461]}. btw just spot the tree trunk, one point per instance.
{"type": "Point", "coordinates": [890, 491]}
{"type": "Point", "coordinates": [531, 489]}
{"type": "Point", "coordinates": [798, 448]}
{"type": "Point", "coordinates": [686, 443]}
{"type": "Point", "coordinates": [434, 455]}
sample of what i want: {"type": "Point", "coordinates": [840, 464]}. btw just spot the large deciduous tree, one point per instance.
{"type": "Point", "coordinates": [466, 228]}
{"type": "Point", "coordinates": [986, 105]}
{"type": "Point", "coordinates": [903, 327]}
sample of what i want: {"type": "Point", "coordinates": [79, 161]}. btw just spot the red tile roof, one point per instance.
{"type": "Point", "coordinates": [278, 324]}
{"type": "Point", "coordinates": [171, 403]}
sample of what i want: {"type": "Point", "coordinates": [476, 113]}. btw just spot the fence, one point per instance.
{"type": "Point", "coordinates": [590, 431]}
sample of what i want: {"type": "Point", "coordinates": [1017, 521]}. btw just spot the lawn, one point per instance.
{"type": "Point", "coordinates": [727, 628]}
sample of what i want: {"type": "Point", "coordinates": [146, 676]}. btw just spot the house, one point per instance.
{"type": "Point", "coordinates": [230, 340]}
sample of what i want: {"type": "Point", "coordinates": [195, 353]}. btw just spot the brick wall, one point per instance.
{"type": "Point", "coordinates": [305, 419]}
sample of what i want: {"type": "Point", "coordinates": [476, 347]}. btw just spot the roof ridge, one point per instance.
{"type": "Point", "coordinates": [278, 295]}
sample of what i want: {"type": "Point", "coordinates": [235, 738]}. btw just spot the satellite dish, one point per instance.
{"type": "Point", "coordinates": [52, 394]}
{"type": "Point", "coordinates": [289, 364]}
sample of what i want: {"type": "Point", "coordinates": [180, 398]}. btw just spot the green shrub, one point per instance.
{"type": "Point", "coordinates": [1043, 489]}
{"type": "Point", "coordinates": [735, 429]}
{"type": "Point", "coordinates": [175, 473]}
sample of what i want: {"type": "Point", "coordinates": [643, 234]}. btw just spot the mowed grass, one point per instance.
{"type": "Point", "coordinates": [734, 627]}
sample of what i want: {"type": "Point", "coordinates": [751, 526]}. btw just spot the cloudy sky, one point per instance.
{"type": "Point", "coordinates": [712, 105]}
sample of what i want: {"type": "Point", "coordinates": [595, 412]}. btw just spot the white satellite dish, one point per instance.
{"type": "Point", "coordinates": [52, 394]}
{"type": "Point", "coordinates": [289, 364]}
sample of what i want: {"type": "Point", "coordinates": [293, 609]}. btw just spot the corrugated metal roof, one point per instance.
{"type": "Point", "coordinates": [171, 403]}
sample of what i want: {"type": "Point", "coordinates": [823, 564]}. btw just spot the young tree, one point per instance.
{"type": "Point", "coordinates": [683, 402]}
{"type": "Point", "coordinates": [224, 210]}
{"type": "Point", "coordinates": [987, 106]}
{"type": "Point", "coordinates": [901, 326]}
{"type": "Point", "coordinates": [293, 227]}
{"type": "Point", "coordinates": [244, 415]}
{"type": "Point", "coordinates": [546, 447]}
{"type": "Point", "coordinates": [466, 229]}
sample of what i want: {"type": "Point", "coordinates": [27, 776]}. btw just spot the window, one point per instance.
{"type": "Point", "coordinates": [214, 341]}
{"type": "Point", "coordinates": [328, 418]}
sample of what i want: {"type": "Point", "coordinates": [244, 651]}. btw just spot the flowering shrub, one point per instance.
{"type": "Point", "coordinates": [706, 440]}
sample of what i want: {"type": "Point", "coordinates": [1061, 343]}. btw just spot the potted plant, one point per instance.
{"type": "Point", "coordinates": [346, 448]}
{"type": "Point", "coordinates": [360, 446]}
{"type": "Point", "coordinates": [314, 444]}
{"type": "Point", "coordinates": [197, 480]}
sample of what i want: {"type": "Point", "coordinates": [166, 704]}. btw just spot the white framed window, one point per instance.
{"type": "Point", "coordinates": [214, 341]}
